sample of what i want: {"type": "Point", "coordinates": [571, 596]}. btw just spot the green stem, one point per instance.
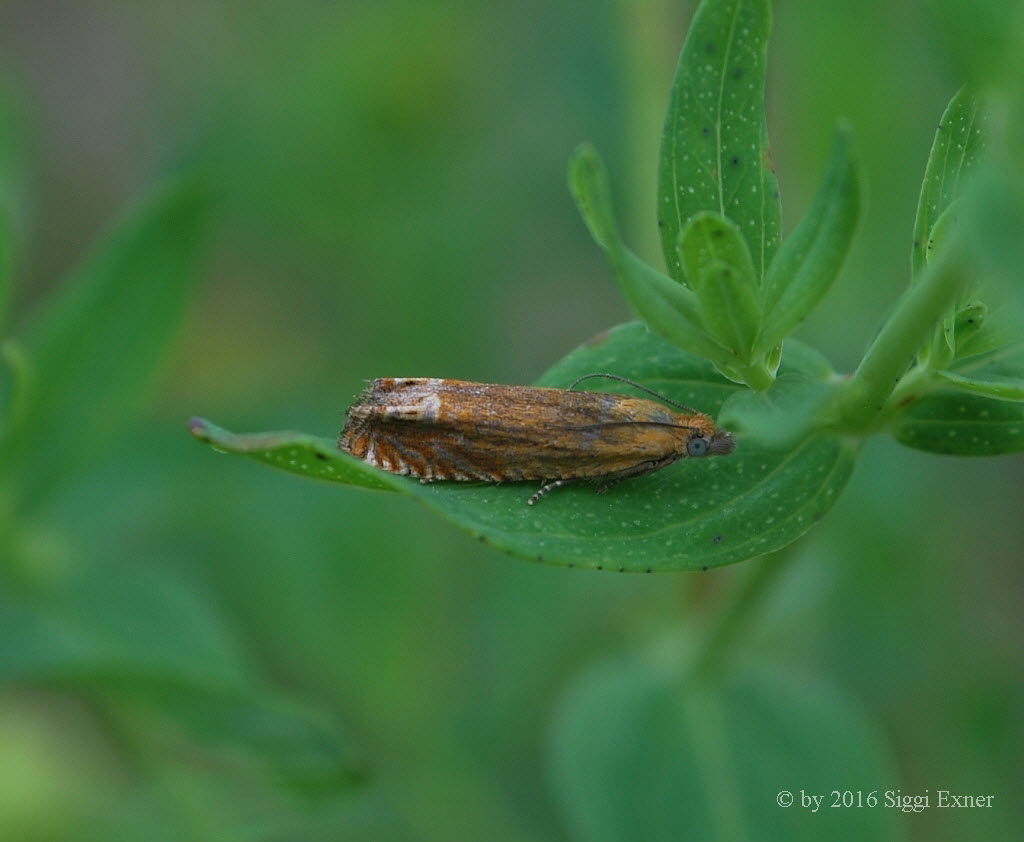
{"type": "Point", "coordinates": [757, 376]}
{"type": "Point", "coordinates": [742, 606]}
{"type": "Point", "coordinates": [863, 397]}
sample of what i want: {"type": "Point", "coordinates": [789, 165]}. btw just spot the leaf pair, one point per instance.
{"type": "Point", "coordinates": [719, 212]}
{"type": "Point", "coordinates": [965, 397]}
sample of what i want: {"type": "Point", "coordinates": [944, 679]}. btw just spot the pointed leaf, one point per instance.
{"type": "Point", "coordinates": [717, 266]}
{"type": "Point", "coordinates": [708, 237]}
{"type": "Point", "coordinates": [955, 152]}
{"type": "Point", "coordinates": [730, 307]}
{"type": "Point", "coordinates": [992, 385]}
{"type": "Point", "coordinates": [668, 307]}
{"type": "Point", "coordinates": [297, 453]}
{"type": "Point", "coordinates": [809, 260]}
{"type": "Point", "coordinates": [714, 148]}
{"type": "Point", "coordinates": [93, 347]}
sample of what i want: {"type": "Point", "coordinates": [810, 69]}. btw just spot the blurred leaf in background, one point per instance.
{"type": "Point", "coordinates": [390, 200]}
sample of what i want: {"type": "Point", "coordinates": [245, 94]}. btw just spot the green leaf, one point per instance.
{"type": "Point", "coordinates": [693, 514]}
{"type": "Point", "coordinates": [795, 405]}
{"type": "Point", "coordinates": [710, 237]}
{"type": "Point", "coordinates": [12, 178]}
{"type": "Point", "coordinates": [714, 148]}
{"type": "Point", "coordinates": [955, 152]}
{"type": "Point", "coordinates": [992, 385]}
{"type": "Point", "coordinates": [304, 747]}
{"type": "Point", "coordinates": [717, 265]}
{"type": "Point", "coordinates": [810, 258]}
{"type": "Point", "coordinates": [962, 424]}
{"type": "Point", "coordinates": [730, 307]}
{"type": "Point", "coordinates": [967, 322]}
{"type": "Point", "coordinates": [640, 752]}
{"type": "Point", "coordinates": [15, 380]}
{"type": "Point", "coordinates": [297, 453]}
{"type": "Point", "coordinates": [996, 374]}
{"type": "Point", "coordinates": [942, 349]}
{"type": "Point", "coordinates": [5, 266]}
{"type": "Point", "coordinates": [136, 639]}
{"type": "Point", "coordinates": [993, 219]}
{"type": "Point", "coordinates": [93, 347]}
{"type": "Point", "coordinates": [668, 307]}
{"type": "Point", "coordinates": [943, 229]}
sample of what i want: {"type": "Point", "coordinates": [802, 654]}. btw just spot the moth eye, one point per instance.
{"type": "Point", "coordinates": [697, 446]}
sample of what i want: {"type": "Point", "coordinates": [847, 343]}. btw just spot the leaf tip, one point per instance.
{"type": "Point", "coordinates": [200, 429]}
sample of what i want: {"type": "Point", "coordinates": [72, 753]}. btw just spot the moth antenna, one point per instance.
{"type": "Point", "coordinates": [635, 385]}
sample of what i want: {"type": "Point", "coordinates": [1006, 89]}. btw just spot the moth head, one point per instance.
{"type": "Point", "coordinates": [719, 443]}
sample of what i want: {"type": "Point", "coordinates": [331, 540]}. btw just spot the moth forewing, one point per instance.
{"type": "Point", "coordinates": [438, 429]}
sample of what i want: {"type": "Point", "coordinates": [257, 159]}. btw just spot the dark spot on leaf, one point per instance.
{"type": "Point", "coordinates": [738, 72]}
{"type": "Point", "coordinates": [705, 131]}
{"type": "Point", "coordinates": [710, 47]}
{"type": "Point", "coordinates": [717, 539]}
{"type": "Point", "coordinates": [571, 565]}
{"type": "Point", "coordinates": [482, 539]}
{"type": "Point", "coordinates": [705, 568]}
{"type": "Point", "coordinates": [321, 456]}
{"type": "Point", "coordinates": [540, 558]}
{"type": "Point", "coordinates": [661, 223]}
{"type": "Point", "coordinates": [600, 567]}
{"type": "Point", "coordinates": [718, 232]}
{"type": "Point", "coordinates": [735, 160]}
{"type": "Point", "coordinates": [622, 569]}
{"type": "Point", "coordinates": [648, 570]}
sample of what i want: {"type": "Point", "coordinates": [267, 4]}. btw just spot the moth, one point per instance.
{"type": "Point", "coordinates": [438, 429]}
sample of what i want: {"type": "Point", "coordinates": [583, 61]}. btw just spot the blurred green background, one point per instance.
{"type": "Point", "coordinates": [390, 200]}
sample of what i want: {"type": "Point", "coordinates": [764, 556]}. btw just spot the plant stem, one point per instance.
{"type": "Point", "coordinates": [742, 606]}
{"type": "Point", "coordinates": [863, 397]}
{"type": "Point", "coordinates": [757, 376]}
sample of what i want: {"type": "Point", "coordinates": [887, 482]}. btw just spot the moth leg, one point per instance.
{"type": "Point", "coordinates": [611, 480]}
{"type": "Point", "coordinates": [551, 486]}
